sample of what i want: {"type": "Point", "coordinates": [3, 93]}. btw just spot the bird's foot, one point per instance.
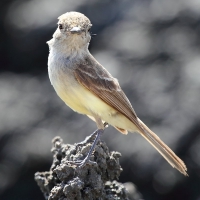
{"type": "Point", "coordinates": [81, 163]}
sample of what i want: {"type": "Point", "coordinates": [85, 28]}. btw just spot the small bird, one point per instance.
{"type": "Point", "coordinates": [89, 89]}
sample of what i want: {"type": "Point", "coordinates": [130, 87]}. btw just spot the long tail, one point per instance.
{"type": "Point", "coordinates": [162, 148]}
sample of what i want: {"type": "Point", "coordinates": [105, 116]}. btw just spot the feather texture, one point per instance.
{"type": "Point", "coordinates": [98, 81]}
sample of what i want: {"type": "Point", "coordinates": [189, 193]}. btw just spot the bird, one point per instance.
{"type": "Point", "coordinates": [89, 89]}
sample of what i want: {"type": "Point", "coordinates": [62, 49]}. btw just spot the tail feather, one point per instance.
{"type": "Point", "coordinates": [162, 148]}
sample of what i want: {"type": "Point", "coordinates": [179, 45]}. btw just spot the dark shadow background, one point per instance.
{"type": "Point", "coordinates": [152, 47]}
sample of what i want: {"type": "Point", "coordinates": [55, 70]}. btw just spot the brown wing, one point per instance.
{"type": "Point", "coordinates": [97, 79]}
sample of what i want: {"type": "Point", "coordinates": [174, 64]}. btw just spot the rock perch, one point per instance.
{"type": "Point", "coordinates": [96, 180]}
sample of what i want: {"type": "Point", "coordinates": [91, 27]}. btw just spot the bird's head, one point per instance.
{"type": "Point", "coordinates": [73, 31]}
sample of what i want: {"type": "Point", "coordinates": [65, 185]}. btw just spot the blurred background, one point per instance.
{"type": "Point", "coordinates": [151, 46]}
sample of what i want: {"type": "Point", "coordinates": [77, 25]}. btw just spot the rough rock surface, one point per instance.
{"type": "Point", "coordinates": [65, 181]}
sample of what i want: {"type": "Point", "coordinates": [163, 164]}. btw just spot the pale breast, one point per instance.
{"type": "Point", "coordinates": [65, 84]}
{"type": "Point", "coordinates": [74, 94]}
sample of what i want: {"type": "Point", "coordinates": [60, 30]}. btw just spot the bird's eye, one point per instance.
{"type": "Point", "coordinates": [60, 26]}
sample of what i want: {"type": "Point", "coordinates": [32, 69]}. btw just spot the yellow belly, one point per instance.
{"type": "Point", "coordinates": [83, 101]}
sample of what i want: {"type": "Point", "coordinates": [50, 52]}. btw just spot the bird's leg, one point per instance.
{"type": "Point", "coordinates": [90, 137]}
{"type": "Point", "coordinates": [98, 133]}
{"type": "Point", "coordinates": [81, 163]}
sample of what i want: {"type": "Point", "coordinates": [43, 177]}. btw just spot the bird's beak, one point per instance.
{"type": "Point", "coordinates": [75, 30]}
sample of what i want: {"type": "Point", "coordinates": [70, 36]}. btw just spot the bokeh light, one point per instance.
{"type": "Point", "coordinates": [152, 48]}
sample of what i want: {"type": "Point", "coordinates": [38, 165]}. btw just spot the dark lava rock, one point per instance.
{"type": "Point", "coordinates": [95, 180]}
